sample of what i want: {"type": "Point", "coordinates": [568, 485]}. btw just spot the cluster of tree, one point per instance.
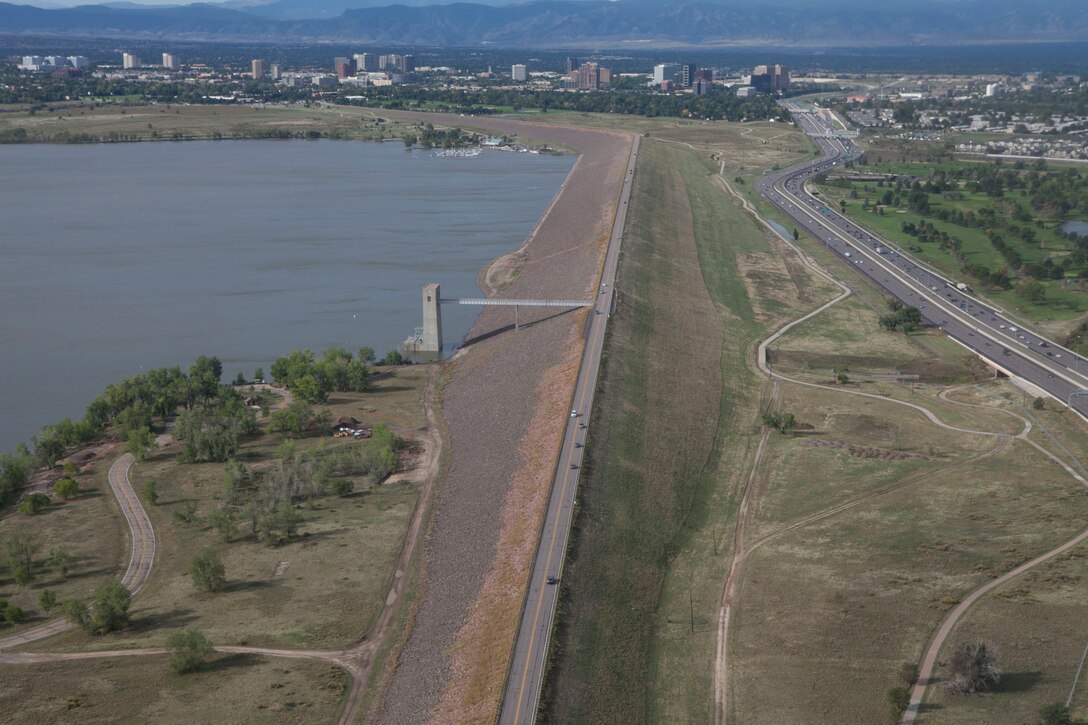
{"type": "Point", "coordinates": [262, 504]}
{"type": "Point", "coordinates": [903, 317]}
{"type": "Point", "coordinates": [430, 137]}
{"type": "Point", "coordinates": [20, 549]}
{"type": "Point", "coordinates": [312, 379]}
{"type": "Point", "coordinates": [106, 612]}
{"type": "Point", "coordinates": [718, 106]}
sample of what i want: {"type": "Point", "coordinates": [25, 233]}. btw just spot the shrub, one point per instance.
{"type": "Point", "coordinates": [66, 488]}
{"type": "Point", "coordinates": [208, 572]}
{"type": "Point", "coordinates": [34, 503]}
{"type": "Point", "coordinates": [190, 650]}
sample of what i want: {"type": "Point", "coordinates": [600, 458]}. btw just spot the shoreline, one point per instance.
{"type": "Point", "coordinates": [504, 409]}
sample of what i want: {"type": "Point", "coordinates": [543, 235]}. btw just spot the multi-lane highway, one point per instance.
{"type": "Point", "coordinates": [983, 328]}
{"type": "Point", "coordinates": [526, 673]}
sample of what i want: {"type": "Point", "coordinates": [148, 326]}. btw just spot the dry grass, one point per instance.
{"type": "Point", "coordinates": [1037, 623]}
{"type": "Point", "coordinates": [876, 580]}
{"type": "Point", "coordinates": [323, 589]}
{"type": "Point", "coordinates": [162, 122]}
{"type": "Point", "coordinates": [234, 689]}
{"type": "Point", "coordinates": [90, 528]}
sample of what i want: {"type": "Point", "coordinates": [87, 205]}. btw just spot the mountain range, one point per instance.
{"type": "Point", "coordinates": [567, 23]}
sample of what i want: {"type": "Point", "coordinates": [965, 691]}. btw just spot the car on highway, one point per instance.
{"type": "Point", "coordinates": [552, 580]}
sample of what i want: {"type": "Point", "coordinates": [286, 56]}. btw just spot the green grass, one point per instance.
{"type": "Point", "coordinates": [669, 444]}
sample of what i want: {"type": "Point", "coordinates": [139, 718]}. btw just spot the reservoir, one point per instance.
{"type": "Point", "coordinates": [118, 258]}
{"type": "Point", "coordinates": [1080, 227]}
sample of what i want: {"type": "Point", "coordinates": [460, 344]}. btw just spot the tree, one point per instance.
{"type": "Point", "coordinates": [60, 561]}
{"type": "Point", "coordinates": [1039, 403]}
{"type": "Point", "coordinates": [240, 378]}
{"type": "Point", "coordinates": [294, 420]}
{"type": "Point", "coordinates": [34, 503]}
{"type": "Point", "coordinates": [19, 550]}
{"type": "Point", "coordinates": [12, 614]}
{"type": "Point", "coordinates": [780, 421]}
{"type": "Point", "coordinates": [842, 378]}
{"type": "Point", "coordinates": [190, 650]}
{"type": "Point", "coordinates": [109, 608]}
{"type": "Point", "coordinates": [258, 375]}
{"type": "Point", "coordinates": [393, 357]}
{"type": "Point", "coordinates": [796, 234]}
{"type": "Point", "coordinates": [47, 600]}
{"type": "Point", "coordinates": [140, 442]}
{"type": "Point", "coordinates": [973, 667]}
{"type": "Point", "coordinates": [225, 520]}
{"type": "Point", "coordinates": [898, 699]}
{"type": "Point", "coordinates": [77, 612]}
{"type": "Point", "coordinates": [66, 488]}
{"type": "Point", "coordinates": [207, 571]}
{"type": "Point", "coordinates": [151, 492]}
{"type": "Point", "coordinates": [1056, 713]}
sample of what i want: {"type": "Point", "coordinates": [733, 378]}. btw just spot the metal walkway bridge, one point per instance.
{"type": "Point", "coordinates": [516, 304]}
{"type": "Point", "coordinates": [428, 338]}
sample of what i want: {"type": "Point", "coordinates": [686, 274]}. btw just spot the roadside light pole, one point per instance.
{"type": "Point", "coordinates": [1076, 394]}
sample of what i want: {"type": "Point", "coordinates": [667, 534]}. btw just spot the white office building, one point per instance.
{"type": "Point", "coordinates": [130, 60]}
{"type": "Point", "coordinates": [519, 73]}
{"type": "Point", "coordinates": [79, 61]}
{"type": "Point", "coordinates": [665, 72]}
{"type": "Point", "coordinates": [170, 61]}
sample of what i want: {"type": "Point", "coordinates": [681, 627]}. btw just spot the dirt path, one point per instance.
{"type": "Point", "coordinates": [356, 659]}
{"type": "Point", "coordinates": [930, 658]}
{"type": "Point", "coordinates": [740, 553]}
{"type": "Point", "coordinates": [142, 558]}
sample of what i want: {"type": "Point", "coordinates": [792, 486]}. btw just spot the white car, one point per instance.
{"type": "Point", "coordinates": [574, 414]}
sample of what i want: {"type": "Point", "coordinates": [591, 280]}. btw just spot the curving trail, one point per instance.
{"type": "Point", "coordinates": [141, 559]}
{"type": "Point", "coordinates": [741, 552]}
{"type": "Point", "coordinates": [953, 618]}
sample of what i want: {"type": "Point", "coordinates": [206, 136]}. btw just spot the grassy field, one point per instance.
{"type": "Point", "coordinates": [324, 588]}
{"type": "Point", "coordinates": [90, 528]}
{"type": "Point", "coordinates": [1066, 298]}
{"type": "Point", "coordinates": [827, 613]}
{"type": "Point", "coordinates": [233, 688]}
{"type": "Point", "coordinates": [1037, 624]}
{"type": "Point", "coordinates": [669, 445]}
{"type": "Point", "coordinates": [876, 581]}
{"type": "Point", "coordinates": [83, 124]}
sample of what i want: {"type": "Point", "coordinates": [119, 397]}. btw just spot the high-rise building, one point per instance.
{"type": "Point", "coordinates": [367, 62]}
{"type": "Point", "coordinates": [170, 61]}
{"type": "Point", "coordinates": [257, 69]}
{"type": "Point", "coordinates": [770, 79]}
{"type": "Point", "coordinates": [665, 72]}
{"type": "Point", "coordinates": [702, 87]}
{"type": "Point", "coordinates": [130, 60]}
{"type": "Point", "coordinates": [687, 74]}
{"type": "Point", "coordinates": [275, 71]}
{"type": "Point", "coordinates": [519, 73]}
{"type": "Point", "coordinates": [344, 67]}
{"type": "Point", "coordinates": [572, 65]}
{"type": "Point", "coordinates": [79, 61]}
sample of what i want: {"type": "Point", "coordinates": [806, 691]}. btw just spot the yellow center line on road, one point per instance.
{"type": "Point", "coordinates": [580, 398]}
